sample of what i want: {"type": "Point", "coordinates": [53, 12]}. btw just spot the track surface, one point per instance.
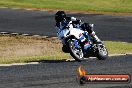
{"type": "Point", "coordinates": [61, 74]}
{"type": "Point", "coordinates": [107, 27]}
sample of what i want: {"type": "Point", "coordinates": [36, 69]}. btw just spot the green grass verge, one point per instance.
{"type": "Point", "coordinates": [118, 47]}
{"type": "Point", "coordinates": [18, 49]}
{"type": "Point", "coordinates": [79, 5]}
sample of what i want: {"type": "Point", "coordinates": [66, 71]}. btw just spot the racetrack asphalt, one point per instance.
{"type": "Point", "coordinates": [62, 74]}
{"type": "Point", "coordinates": [107, 27]}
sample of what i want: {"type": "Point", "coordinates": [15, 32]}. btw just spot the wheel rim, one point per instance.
{"type": "Point", "coordinates": [76, 51]}
{"type": "Point", "coordinates": [102, 50]}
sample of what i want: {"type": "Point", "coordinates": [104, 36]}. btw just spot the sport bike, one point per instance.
{"type": "Point", "coordinates": [81, 45]}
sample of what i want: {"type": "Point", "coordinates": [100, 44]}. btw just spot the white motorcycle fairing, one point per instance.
{"type": "Point", "coordinates": [72, 31]}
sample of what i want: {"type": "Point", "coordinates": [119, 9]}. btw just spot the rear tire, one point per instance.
{"type": "Point", "coordinates": [102, 52]}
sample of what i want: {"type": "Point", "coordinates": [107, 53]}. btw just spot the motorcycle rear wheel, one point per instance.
{"type": "Point", "coordinates": [102, 52]}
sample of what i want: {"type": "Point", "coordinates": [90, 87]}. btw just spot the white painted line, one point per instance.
{"type": "Point", "coordinates": [120, 54]}
{"type": "Point", "coordinates": [32, 63]}
{"type": "Point", "coordinates": [117, 55]}
{"type": "Point", "coordinates": [28, 9]}
{"type": "Point", "coordinates": [95, 57]}
{"type": "Point", "coordinates": [4, 7]}
{"type": "Point", "coordinates": [129, 54]}
{"type": "Point", "coordinates": [36, 35]}
{"type": "Point", "coordinates": [123, 42]}
{"type": "Point", "coordinates": [70, 60]}
{"type": "Point", "coordinates": [25, 34]}
{"type": "Point", "coordinates": [4, 32]}
{"type": "Point", "coordinates": [82, 60]}
{"type": "Point", "coordinates": [14, 33]}
{"type": "Point", "coordinates": [44, 10]}
{"type": "Point", "coordinates": [16, 8]}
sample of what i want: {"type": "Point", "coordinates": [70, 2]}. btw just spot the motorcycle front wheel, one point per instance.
{"type": "Point", "coordinates": [76, 52]}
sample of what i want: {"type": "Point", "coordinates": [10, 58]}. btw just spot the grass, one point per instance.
{"type": "Point", "coordinates": [118, 47]}
{"type": "Point", "coordinates": [83, 5]}
{"type": "Point", "coordinates": [18, 49]}
{"type": "Point", "coordinates": [23, 49]}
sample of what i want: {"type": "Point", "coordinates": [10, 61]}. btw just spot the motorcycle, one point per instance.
{"type": "Point", "coordinates": [81, 45]}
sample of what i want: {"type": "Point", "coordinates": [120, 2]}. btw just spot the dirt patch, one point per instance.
{"type": "Point", "coordinates": [19, 46]}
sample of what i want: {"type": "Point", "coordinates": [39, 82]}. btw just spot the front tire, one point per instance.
{"type": "Point", "coordinates": [76, 53]}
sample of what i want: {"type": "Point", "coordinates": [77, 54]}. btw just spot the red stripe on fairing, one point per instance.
{"type": "Point", "coordinates": [80, 34]}
{"type": "Point", "coordinates": [87, 43]}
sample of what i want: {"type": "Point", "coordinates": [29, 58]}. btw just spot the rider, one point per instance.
{"type": "Point", "coordinates": [62, 22]}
